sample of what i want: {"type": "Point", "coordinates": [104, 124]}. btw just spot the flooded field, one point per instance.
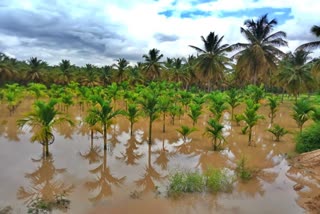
{"type": "Point", "coordinates": [132, 176]}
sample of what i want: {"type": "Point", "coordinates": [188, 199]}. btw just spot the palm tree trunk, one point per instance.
{"type": "Point", "coordinates": [150, 129]}
{"type": "Point", "coordinates": [164, 123]}
{"type": "Point", "coordinates": [105, 137]}
{"type": "Point", "coordinates": [214, 144]}
{"type": "Point", "coordinates": [250, 135]}
{"type": "Point", "coordinates": [91, 138]}
{"type": "Point", "coordinates": [131, 127]}
{"type": "Point", "coordinates": [47, 149]}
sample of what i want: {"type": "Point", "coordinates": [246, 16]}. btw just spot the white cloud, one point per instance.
{"type": "Point", "coordinates": [135, 24]}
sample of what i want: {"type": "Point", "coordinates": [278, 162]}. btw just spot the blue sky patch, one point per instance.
{"type": "Point", "coordinates": [167, 13]}
{"type": "Point", "coordinates": [280, 14]}
{"type": "Point", "coordinates": [195, 2]}
{"type": "Point", "coordinates": [195, 13]}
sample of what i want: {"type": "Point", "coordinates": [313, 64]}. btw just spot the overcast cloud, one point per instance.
{"type": "Point", "coordinates": [101, 31]}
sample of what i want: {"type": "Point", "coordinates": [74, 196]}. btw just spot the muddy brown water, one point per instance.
{"type": "Point", "coordinates": [131, 176]}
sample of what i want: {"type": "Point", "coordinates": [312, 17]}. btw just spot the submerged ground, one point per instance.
{"type": "Point", "coordinates": [132, 177]}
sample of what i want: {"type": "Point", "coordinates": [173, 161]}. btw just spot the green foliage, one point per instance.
{"type": "Point", "coordinates": [185, 131]}
{"type": "Point", "coordinates": [217, 104]}
{"type": "Point", "coordinates": [185, 98]}
{"type": "Point", "coordinates": [214, 180]}
{"type": "Point", "coordinates": [243, 172]}
{"type": "Point", "coordinates": [43, 117]}
{"type": "Point", "coordinates": [308, 139]}
{"type": "Point", "coordinates": [195, 112]}
{"type": "Point", "coordinates": [132, 114]}
{"type": "Point", "coordinates": [255, 93]}
{"type": "Point", "coordinates": [238, 118]}
{"type": "Point", "coordinates": [150, 106]}
{"type": "Point", "coordinates": [278, 131]}
{"type": "Point", "coordinates": [214, 130]}
{"type": "Point", "coordinates": [233, 99]}
{"type": "Point", "coordinates": [103, 113]}
{"type": "Point", "coordinates": [302, 112]}
{"type": "Point", "coordinates": [164, 104]}
{"type": "Point", "coordinates": [175, 110]}
{"type": "Point", "coordinates": [251, 117]}
{"type": "Point", "coordinates": [218, 180]}
{"type": "Point", "coordinates": [316, 115]}
{"type": "Point", "coordinates": [66, 99]}
{"type": "Point", "coordinates": [37, 89]}
{"type": "Point", "coordinates": [273, 105]}
{"type": "Point", "coordinates": [39, 205]}
{"type": "Point", "coordinates": [185, 182]}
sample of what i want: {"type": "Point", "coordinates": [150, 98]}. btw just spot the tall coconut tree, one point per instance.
{"type": "Point", "coordinates": [152, 66]}
{"type": "Point", "coordinates": [65, 74]}
{"type": "Point", "coordinates": [257, 59]}
{"type": "Point", "coordinates": [212, 60]}
{"type": "Point", "coordinates": [105, 75]}
{"type": "Point", "coordinates": [43, 118]}
{"type": "Point", "coordinates": [295, 73]}
{"type": "Point", "coordinates": [310, 46]}
{"type": "Point", "coordinates": [121, 67]}
{"type": "Point", "coordinates": [6, 69]}
{"type": "Point", "coordinates": [90, 76]}
{"type": "Point", "coordinates": [315, 30]}
{"type": "Point", "coordinates": [35, 71]}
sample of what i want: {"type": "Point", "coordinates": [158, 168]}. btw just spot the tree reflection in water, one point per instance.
{"type": "Point", "coordinates": [131, 156]}
{"type": "Point", "coordinates": [44, 183]}
{"type": "Point", "coordinates": [150, 175]}
{"type": "Point", "coordinates": [92, 155]}
{"type": "Point", "coordinates": [104, 180]}
{"type": "Point", "coordinates": [164, 156]}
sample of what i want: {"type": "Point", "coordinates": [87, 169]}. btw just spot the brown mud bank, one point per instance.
{"type": "Point", "coordinates": [308, 165]}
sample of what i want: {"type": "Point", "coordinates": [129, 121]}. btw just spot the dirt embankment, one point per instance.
{"type": "Point", "coordinates": [308, 164]}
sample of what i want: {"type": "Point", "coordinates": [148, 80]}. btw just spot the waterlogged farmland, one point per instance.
{"type": "Point", "coordinates": [134, 173]}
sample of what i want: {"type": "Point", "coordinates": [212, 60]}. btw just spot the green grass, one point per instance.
{"type": "Point", "coordinates": [185, 182]}
{"type": "Point", "coordinates": [214, 180]}
{"type": "Point", "coordinates": [309, 139]}
{"type": "Point", "coordinates": [243, 172]}
{"type": "Point", "coordinates": [218, 180]}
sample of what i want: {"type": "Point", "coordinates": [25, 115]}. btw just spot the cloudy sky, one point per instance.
{"type": "Point", "coordinates": [101, 31]}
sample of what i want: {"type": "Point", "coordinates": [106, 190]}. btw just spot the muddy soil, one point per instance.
{"type": "Point", "coordinates": [132, 177]}
{"type": "Point", "coordinates": [308, 165]}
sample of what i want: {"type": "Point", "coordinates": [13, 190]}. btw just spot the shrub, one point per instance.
{"type": "Point", "coordinates": [218, 180]}
{"type": "Point", "coordinates": [309, 139]}
{"type": "Point", "coordinates": [214, 180]}
{"type": "Point", "coordinates": [242, 170]}
{"type": "Point", "coordinates": [182, 182]}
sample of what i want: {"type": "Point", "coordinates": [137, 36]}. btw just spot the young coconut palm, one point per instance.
{"type": "Point", "coordinates": [217, 104]}
{"type": "Point", "coordinates": [214, 130]}
{"type": "Point", "coordinates": [273, 104]}
{"type": "Point", "coordinates": [302, 112]}
{"type": "Point", "coordinates": [164, 104]}
{"type": "Point", "coordinates": [185, 131]}
{"type": "Point", "coordinates": [43, 118]}
{"type": "Point", "coordinates": [150, 106]}
{"type": "Point", "coordinates": [103, 113]}
{"type": "Point", "coordinates": [233, 100]}
{"type": "Point", "coordinates": [132, 114]}
{"type": "Point", "coordinates": [195, 112]}
{"type": "Point", "coordinates": [251, 117]}
{"type": "Point", "coordinates": [278, 131]}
